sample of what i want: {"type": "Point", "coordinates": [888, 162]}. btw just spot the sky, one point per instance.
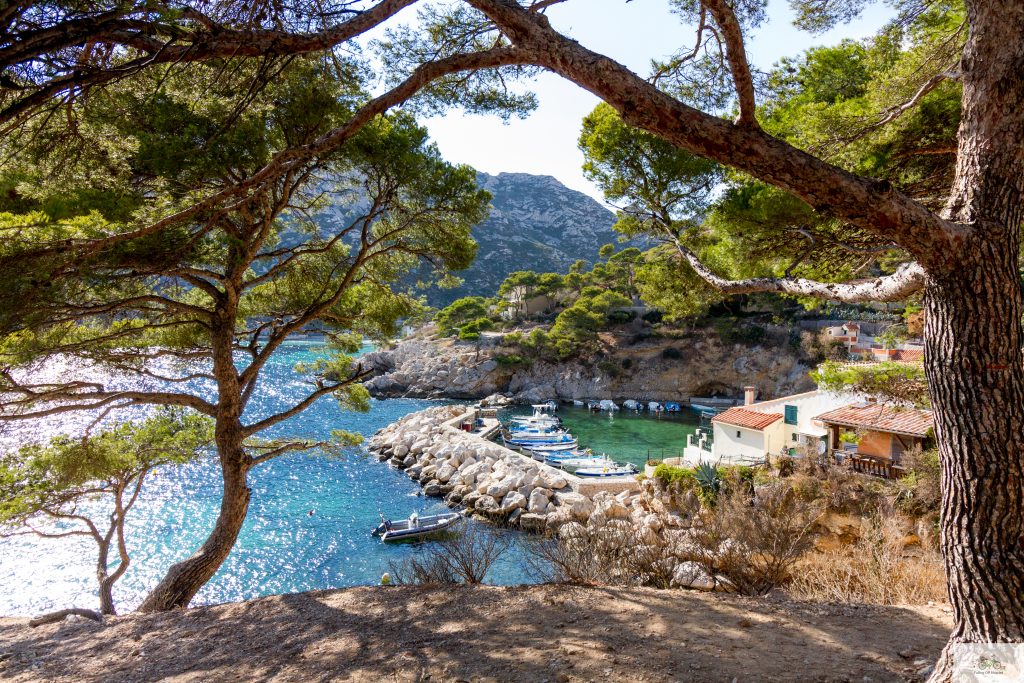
{"type": "Point", "coordinates": [633, 33]}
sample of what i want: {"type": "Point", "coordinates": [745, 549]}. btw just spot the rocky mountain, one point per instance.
{"type": "Point", "coordinates": [536, 223]}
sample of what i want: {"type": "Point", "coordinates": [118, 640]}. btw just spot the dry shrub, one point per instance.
{"type": "Point", "coordinates": [750, 546]}
{"type": "Point", "coordinates": [877, 569]}
{"type": "Point", "coordinates": [464, 557]}
{"type": "Point", "coordinates": [612, 555]}
{"type": "Point", "coordinates": [919, 494]}
{"type": "Point", "coordinates": [426, 570]}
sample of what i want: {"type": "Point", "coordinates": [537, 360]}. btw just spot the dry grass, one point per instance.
{"type": "Point", "coordinates": [878, 569]}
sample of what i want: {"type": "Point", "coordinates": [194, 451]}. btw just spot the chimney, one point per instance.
{"type": "Point", "coordinates": [749, 394]}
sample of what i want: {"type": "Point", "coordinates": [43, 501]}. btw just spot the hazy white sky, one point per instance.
{"type": "Point", "coordinates": [632, 33]}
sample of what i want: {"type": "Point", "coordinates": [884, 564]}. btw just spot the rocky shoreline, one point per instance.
{"type": "Point", "coordinates": [657, 369]}
{"type": "Point", "coordinates": [494, 484]}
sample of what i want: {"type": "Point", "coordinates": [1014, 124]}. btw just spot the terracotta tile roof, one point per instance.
{"type": "Point", "coordinates": [909, 355]}
{"type": "Point", "coordinates": [881, 418]}
{"type": "Point", "coordinates": [751, 419]}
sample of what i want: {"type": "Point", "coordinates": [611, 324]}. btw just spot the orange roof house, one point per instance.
{"type": "Point", "coordinates": [884, 433]}
{"type": "Point", "coordinates": [749, 419]}
{"type": "Point", "coordinates": [882, 418]}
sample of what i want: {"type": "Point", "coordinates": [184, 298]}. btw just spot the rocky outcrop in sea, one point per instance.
{"type": "Point", "coordinates": [649, 370]}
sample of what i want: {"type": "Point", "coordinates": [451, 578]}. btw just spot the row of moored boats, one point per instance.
{"type": "Point", "coordinates": [629, 404]}
{"type": "Point", "coordinates": [543, 437]}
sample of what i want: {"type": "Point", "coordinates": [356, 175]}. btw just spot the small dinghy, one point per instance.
{"type": "Point", "coordinates": [415, 526]}
{"type": "Point", "coordinates": [612, 471]}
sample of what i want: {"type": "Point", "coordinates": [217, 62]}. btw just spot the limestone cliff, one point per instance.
{"type": "Point", "coordinates": [656, 369]}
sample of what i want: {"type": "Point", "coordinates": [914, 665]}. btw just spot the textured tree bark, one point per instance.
{"type": "Point", "coordinates": [975, 371]}
{"type": "Point", "coordinates": [184, 579]}
{"type": "Point", "coordinates": [973, 357]}
{"type": "Point", "coordinates": [103, 577]}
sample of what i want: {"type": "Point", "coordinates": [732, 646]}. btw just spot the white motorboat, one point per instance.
{"type": "Point", "coordinates": [532, 434]}
{"type": "Point", "coordinates": [415, 526]}
{"type": "Point", "coordinates": [612, 470]}
{"type": "Point", "coordinates": [573, 465]}
{"type": "Point", "coordinates": [608, 405]}
{"type": "Point", "coordinates": [553, 447]}
{"type": "Point", "coordinates": [529, 442]}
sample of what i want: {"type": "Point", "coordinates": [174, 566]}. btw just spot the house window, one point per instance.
{"type": "Point", "coordinates": [791, 415]}
{"type": "Point", "coordinates": [793, 437]}
{"type": "Point", "coordinates": [737, 433]}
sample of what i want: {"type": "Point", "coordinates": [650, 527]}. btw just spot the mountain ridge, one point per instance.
{"type": "Point", "coordinates": [536, 223]}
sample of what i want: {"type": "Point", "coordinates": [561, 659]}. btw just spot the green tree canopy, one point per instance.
{"type": "Point", "coordinates": [87, 485]}
{"type": "Point", "coordinates": [221, 291]}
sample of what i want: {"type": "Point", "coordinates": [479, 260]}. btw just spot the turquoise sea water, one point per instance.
{"type": "Point", "coordinates": [627, 436]}
{"type": "Point", "coordinates": [282, 547]}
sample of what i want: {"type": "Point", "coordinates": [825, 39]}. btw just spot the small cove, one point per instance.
{"type": "Point", "coordinates": [625, 435]}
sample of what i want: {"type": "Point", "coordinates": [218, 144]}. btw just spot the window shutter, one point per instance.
{"type": "Point", "coordinates": [791, 412]}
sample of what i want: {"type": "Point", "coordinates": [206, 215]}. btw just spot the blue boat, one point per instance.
{"type": "Point", "coordinates": [672, 407]}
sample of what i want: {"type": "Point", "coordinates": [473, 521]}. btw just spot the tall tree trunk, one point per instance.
{"type": "Point", "coordinates": [184, 579]}
{"type": "Point", "coordinates": [974, 362]}
{"type": "Point", "coordinates": [976, 374]}
{"type": "Point", "coordinates": [106, 586]}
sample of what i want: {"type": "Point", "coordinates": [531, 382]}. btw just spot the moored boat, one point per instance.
{"type": "Point", "coordinates": [562, 447]}
{"type": "Point", "coordinates": [606, 471]}
{"type": "Point", "coordinates": [415, 526]}
{"type": "Point", "coordinates": [573, 465]}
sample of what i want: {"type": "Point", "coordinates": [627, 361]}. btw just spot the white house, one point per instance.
{"type": "Point", "coordinates": [748, 434]}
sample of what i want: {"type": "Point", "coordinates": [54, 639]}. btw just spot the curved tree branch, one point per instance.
{"type": "Point", "coordinates": [867, 203]}
{"type": "Point", "coordinates": [908, 279]}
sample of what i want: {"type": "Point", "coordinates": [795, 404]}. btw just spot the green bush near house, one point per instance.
{"type": "Point", "coordinates": [668, 475]}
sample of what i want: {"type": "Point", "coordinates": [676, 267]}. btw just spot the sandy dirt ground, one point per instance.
{"type": "Point", "coordinates": [548, 633]}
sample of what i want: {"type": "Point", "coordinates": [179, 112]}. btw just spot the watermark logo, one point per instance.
{"type": "Point", "coordinates": [988, 663]}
